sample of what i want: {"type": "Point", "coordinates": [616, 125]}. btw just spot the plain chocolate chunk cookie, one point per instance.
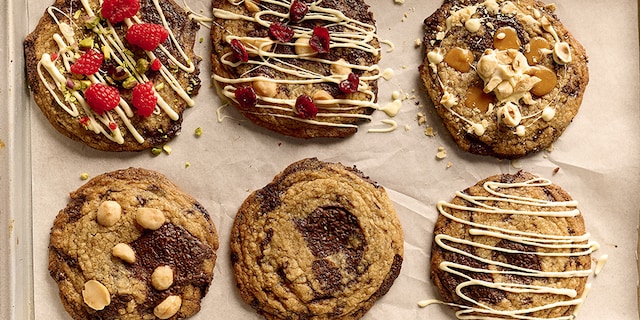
{"type": "Point", "coordinates": [321, 241]}
{"type": "Point", "coordinates": [131, 245]}
{"type": "Point", "coordinates": [300, 68]}
{"type": "Point", "coordinates": [74, 50]}
{"type": "Point", "coordinates": [506, 77]}
{"type": "Point", "coordinates": [512, 246]}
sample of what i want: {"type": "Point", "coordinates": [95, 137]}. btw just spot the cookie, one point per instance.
{"type": "Point", "coordinates": [95, 83]}
{"type": "Point", "coordinates": [321, 241]}
{"type": "Point", "coordinates": [506, 77]}
{"type": "Point", "coordinates": [131, 245]}
{"type": "Point", "coordinates": [513, 246]}
{"type": "Point", "coordinates": [298, 68]}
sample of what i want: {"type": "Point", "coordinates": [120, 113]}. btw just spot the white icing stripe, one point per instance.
{"type": "Point", "coordinates": [357, 35]}
{"type": "Point", "coordinates": [110, 40]}
{"type": "Point", "coordinates": [553, 245]}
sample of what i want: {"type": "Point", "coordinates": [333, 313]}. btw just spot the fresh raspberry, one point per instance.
{"type": "Point", "coordinates": [147, 35]}
{"type": "Point", "coordinates": [246, 97]}
{"type": "Point", "coordinates": [117, 10]}
{"type": "Point", "coordinates": [320, 40]}
{"type": "Point", "coordinates": [239, 51]}
{"type": "Point", "coordinates": [88, 63]}
{"type": "Point", "coordinates": [350, 85]}
{"type": "Point", "coordinates": [297, 11]}
{"type": "Point", "coordinates": [280, 32]}
{"type": "Point", "coordinates": [305, 108]}
{"type": "Point", "coordinates": [102, 97]}
{"type": "Point", "coordinates": [144, 99]}
{"type": "Point", "coordinates": [156, 64]}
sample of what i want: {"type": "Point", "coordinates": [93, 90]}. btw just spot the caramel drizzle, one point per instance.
{"type": "Point", "coordinates": [358, 37]}
{"type": "Point", "coordinates": [482, 204]}
{"type": "Point", "coordinates": [493, 7]}
{"type": "Point", "coordinates": [101, 124]}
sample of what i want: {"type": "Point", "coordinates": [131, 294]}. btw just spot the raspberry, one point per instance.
{"type": "Point", "coordinates": [147, 35]}
{"type": "Point", "coordinates": [246, 97]}
{"type": "Point", "coordinates": [117, 10]}
{"type": "Point", "coordinates": [239, 51]}
{"type": "Point", "coordinates": [102, 97]}
{"type": "Point", "coordinates": [144, 99]}
{"type": "Point", "coordinates": [280, 32]}
{"type": "Point", "coordinates": [156, 64]}
{"type": "Point", "coordinates": [88, 63]}
{"type": "Point", "coordinates": [350, 85]}
{"type": "Point", "coordinates": [297, 11]}
{"type": "Point", "coordinates": [305, 108]}
{"type": "Point", "coordinates": [320, 40]}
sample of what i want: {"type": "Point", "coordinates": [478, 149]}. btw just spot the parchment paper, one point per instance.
{"type": "Point", "coordinates": [598, 157]}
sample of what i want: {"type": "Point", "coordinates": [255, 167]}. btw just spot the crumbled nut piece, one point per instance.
{"type": "Point", "coordinates": [258, 45]}
{"type": "Point", "coordinates": [124, 252]}
{"type": "Point", "coordinates": [398, 1]}
{"type": "Point", "coordinates": [418, 42]}
{"type": "Point", "coordinates": [96, 295]}
{"type": "Point", "coordinates": [302, 47]}
{"type": "Point", "coordinates": [442, 153]}
{"type": "Point", "coordinates": [162, 278]}
{"type": "Point", "coordinates": [422, 118]}
{"type": "Point", "coordinates": [168, 308]}
{"type": "Point", "coordinates": [84, 176]}
{"type": "Point", "coordinates": [449, 164]}
{"type": "Point", "coordinates": [166, 149]}
{"type": "Point", "coordinates": [429, 132]}
{"type": "Point", "coordinates": [252, 5]}
{"type": "Point", "coordinates": [265, 88]}
{"type": "Point", "coordinates": [150, 218]}
{"type": "Point", "coordinates": [322, 95]}
{"type": "Point", "coordinates": [198, 132]}
{"type": "Point", "coordinates": [109, 213]}
{"type": "Point", "coordinates": [510, 114]}
{"type": "Point", "coordinates": [561, 53]}
{"type": "Point", "coordinates": [340, 67]}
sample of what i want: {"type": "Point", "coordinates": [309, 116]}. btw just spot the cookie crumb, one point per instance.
{"type": "Point", "coordinates": [198, 132]}
{"type": "Point", "coordinates": [429, 132]}
{"type": "Point", "coordinates": [398, 1]}
{"type": "Point", "coordinates": [442, 153]}
{"type": "Point", "coordinates": [422, 118]}
{"type": "Point", "coordinates": [84, 176]}
{"type": "Point", "coordinates": [166, 149]}
{"type": "Point", "coordinates": [555, 171]}
{"type": "Point", "coordinates": [449, 164]}
{"type": "Point", "coordinates": [418, 43]}
{"type": "Point", "coordinates": [187, 164]}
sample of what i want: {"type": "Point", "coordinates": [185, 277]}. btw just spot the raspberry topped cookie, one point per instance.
{"type": "Point", "coordinates": [131, 245]}
{"type": "Point", "coordinates": [506, 77]}
{"type": "Point", "coordinates": [301, 68]}
{"type": "Point", "coordinates": [114, 74]}
{"type": "Point", "coordinates": [321, 241]}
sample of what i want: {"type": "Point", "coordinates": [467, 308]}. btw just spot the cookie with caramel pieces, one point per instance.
{"type": "Point", "coordinates": [506, 77]}
{"type": "Point", "coordinates": [321, 241]}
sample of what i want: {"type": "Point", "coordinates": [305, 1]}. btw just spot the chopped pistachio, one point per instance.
{"type": "Point", "coordinates": [84, 176]}
{"type": "Point", "coordinates": [120, 74]}
{"type": "Point", "coordinates": [129, 83]}
{"type": "Point", "coordinates": [187, 164]}
{"type": "Point", "coordinates": [106, 51]}
{"type": "Point", "coordinates": [142, 65]}
{"type": "Point", "coordinates": [85, 84]}
{"type": "Point", "coordinates": [91, 22]}
{"type": "Point", "coordinates": [77, 14]}
{"type": "Point", "coordinates": [198, 132]}
{"type": "Point", "coordinates": [166, 149]}
{"type": "Point", "coordinates": [159, 86]}
{"type": "Point", "coordinates": [86, 43]}
{"type": "Point", "coordinates": [156, 151]}
{"type": "Point", "coordinates": [201, 39]}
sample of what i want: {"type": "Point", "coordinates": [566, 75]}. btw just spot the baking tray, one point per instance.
{"type": "Point", "coordinates": [598, 157]}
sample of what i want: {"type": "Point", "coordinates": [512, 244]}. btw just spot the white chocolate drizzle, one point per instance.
{"type": "Point", "coordinates": [511, 83]}
{"type": "Point", "coordinates": [68, 52]}
{"type": "Point", "coordinates": [357, 35]}
{"type": "Point", "coordinates": [553, 245]}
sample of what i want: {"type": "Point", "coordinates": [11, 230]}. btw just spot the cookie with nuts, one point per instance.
{"type": "Point", "coordinates": [116, 75]}
{"type": "Point", "coordinates": [303, 69]}
{"type": "Point", "coordinates": [321, 241]}
{"type": "Point", "coordinates": [131, 245]}
{"type": "Point", "coordinates": [506, 77]}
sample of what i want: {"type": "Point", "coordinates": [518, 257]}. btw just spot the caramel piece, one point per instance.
{"type": "Point", "coordinates": [536, 47]}
{"type": "Point", "coordinates": [548, 82]}
{"type": "Point", "coordinates": [506, 38]}
{"type": "Point", "coordinates": [476, 98]}
{"type": "Point", "coordinates": [459, 59]}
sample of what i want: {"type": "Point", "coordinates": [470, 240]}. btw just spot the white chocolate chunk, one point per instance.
{"type": "Point", "coordinates": [510, 114]}
{"type": "Point", "coordinates": [109, 213]}
{"type": "Point", "coordinates": [562, 53]}
{"type": "Point", "coordinates": [168, 308]}
{"type": "Point", "coordinates": [96, 295]}
{"type": "Point", "coordinates": [124, 252]}
{"type": "Point", "coordinates": [162, 278]}
{"type": "Point", "coordinates": [150, 218]}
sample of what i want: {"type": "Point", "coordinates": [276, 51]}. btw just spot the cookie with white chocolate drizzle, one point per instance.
{"type": "Point", "coordinates": [131, 245]}
{"type": "Point", "coordinates": [301, 68]}
{"type": "Point", "coordinates": [506, 77]}
{"type": "Point", "coordinates": [114, 74]}
{"type": "Point", "coordinates": [513, 246]}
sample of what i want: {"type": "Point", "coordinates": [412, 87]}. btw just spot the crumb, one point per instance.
{"type": "Point", "coordinates": [449, 164]}
{"type": "Point", "coordinates": [398, 1]}
{"type": "Point", "coordinates": [84, 176]}
{"type": "Point", "coordinates": [555, 171]}
{"type": "Point", "coordinates": [198, 132]}
{"type": "Point", "coordinates": [422, 119]}
{"type": "Point", "coordinates": [407, 127]}
{"type": "Point", "coordinates": [428, 131]}
{"type": "Point", "coordinates": [187, 164]}
{"type": "Point", "coordinates": [442, 153]}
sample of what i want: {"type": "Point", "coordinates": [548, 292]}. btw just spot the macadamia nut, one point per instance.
{"type": "Point", "coordinates": [168, 308]}
{"type": "Point", "coordinates": [124, 252]}
{"type": "Point", "coordinates": [150, 218]}
{"type": "Point", "coordinates": [162, 278]}
{"type": "Point", "coordinates": [96, 295]}
{"type": "Point", "coordinates": [109, 213]}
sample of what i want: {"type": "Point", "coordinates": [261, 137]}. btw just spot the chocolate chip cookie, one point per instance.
{"type": "Point", "coordinates": [120, 83]}
{"type": "Point", "coordinates": [506, 77]}
{"type": "Point", "coordinates": [303, 69]}
{"type": "Point", "coordinates": [321, 241]}
{"type": "Point", "coordinates": [511, 246]}
{"type": "Point", "coordinates": [131, 245]}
